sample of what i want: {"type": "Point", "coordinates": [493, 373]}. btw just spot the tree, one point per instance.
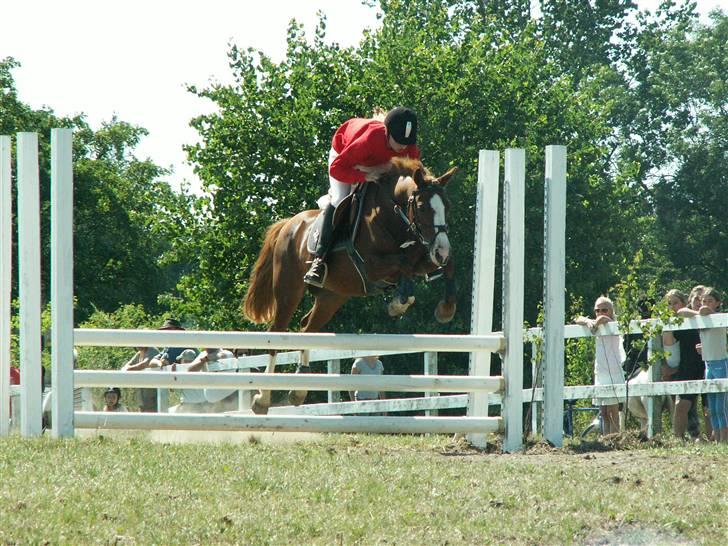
{"type": "Point", "coordinates": [262, 155]}
{"type": "Point", "coordinates": [124, 215]}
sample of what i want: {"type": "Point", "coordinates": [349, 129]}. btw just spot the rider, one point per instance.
{"type": "Point", "coordinates": [365, 143]}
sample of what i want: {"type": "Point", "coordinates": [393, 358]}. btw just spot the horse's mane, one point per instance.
{"type": "Point", "coordinates": [402, 166]}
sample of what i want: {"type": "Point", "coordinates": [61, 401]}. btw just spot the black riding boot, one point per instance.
{"type": "Point", "coordinates": [316, 275]}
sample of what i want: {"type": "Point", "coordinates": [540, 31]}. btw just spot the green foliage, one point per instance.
{"type": "Point", "coordinates": [578, 352]}
{"type": "Point", "coordinates": [131, 316]}
{"type": "Point", "coordinates": [262, 155]}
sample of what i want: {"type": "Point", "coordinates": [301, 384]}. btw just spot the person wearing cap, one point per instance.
{"type": "Point", "coordinates": [168, 354]}
{"type": "Point", "coordinates": [358, 144]}
{"type": "Point", "coordinates": [112, 400]}
{"type": "Point", "coordinates": [202, 400]}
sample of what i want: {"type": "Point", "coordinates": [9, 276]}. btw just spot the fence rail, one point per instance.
{"type": "Point", "coordinates": [288, 423]}
{"type": "Point", "coordinates": [321, 382]}
{"type": "Point", "coordinates": [289, 341]}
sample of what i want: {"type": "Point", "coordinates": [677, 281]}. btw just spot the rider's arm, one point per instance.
{"type": "Point", "coordinates": [343, 166]}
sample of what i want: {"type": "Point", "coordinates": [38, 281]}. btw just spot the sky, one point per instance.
{"type": "Point", "coordinates": [133, 59]}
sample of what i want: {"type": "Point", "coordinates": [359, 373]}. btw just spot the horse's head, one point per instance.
{"type": "Point", "coordinates": [425, 206]}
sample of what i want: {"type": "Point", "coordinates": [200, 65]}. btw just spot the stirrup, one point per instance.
{"type": "Point", "coordinates": [314, 276]}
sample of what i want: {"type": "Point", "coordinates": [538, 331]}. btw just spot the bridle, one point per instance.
{"type": "Point", "coordinates": [410, 220]}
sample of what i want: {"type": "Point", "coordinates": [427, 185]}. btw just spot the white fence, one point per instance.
{"type": "Point", "coordinates": [64, 337]}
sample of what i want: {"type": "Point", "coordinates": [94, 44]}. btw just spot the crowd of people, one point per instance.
{"type": "Point", "coordinates": [190, 360]}
{"type": "Point", "coordinates": [692, 354]}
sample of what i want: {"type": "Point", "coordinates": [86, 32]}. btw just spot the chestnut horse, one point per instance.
{"type": "Point", "coordinates": [402, 233]}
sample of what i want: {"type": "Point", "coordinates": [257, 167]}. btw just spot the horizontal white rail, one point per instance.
{"type": "Point", "coordinates": [375, 406]}
{"type": "Point", "coordinates": [639, 389]}
{"type": "Point", "coordinates": [287, 423]}
{"type": "Point", "coordinates": [311, 382]}
{"type": "Point", "coordinates": [717, 320]}
{"type": "Point", "coordinates": [290, 341]}
{"type": "Point", "coordinates": [294, 357]}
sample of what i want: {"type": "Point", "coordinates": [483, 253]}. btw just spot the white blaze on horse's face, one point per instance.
{"type": "Point", "coordinates": [440, 249]}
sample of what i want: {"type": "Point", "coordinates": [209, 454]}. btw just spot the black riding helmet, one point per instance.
{"type": "Point", "coordinates": [401, 124]}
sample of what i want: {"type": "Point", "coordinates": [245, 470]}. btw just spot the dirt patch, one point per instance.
{"type": "Point", "coordinates": [633, 535]}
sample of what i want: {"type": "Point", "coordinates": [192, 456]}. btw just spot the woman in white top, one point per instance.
{"type": "Point", "coordinates": [367, 365]}
{"type": "Point", "coordinates": [607, 363]}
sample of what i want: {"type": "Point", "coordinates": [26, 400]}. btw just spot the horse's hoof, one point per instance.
{"type": "Point", "coordinates": [257, 407]}
{"type": "Point", "coordinates": [296, 398]}
{"type": "Point", "coordinates": [444, 312]}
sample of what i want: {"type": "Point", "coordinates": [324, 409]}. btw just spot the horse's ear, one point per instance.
{"type": "Point", "coordinates": [419, 177]}
{"type": "Point", "coordinates": [445, 178]}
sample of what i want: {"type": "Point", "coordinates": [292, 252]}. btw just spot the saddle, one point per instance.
{"type": "Point", "coordinates": [346, 223]}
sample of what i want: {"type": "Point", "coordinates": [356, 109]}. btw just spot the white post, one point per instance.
{"type": "Point", "coordinates": [29, 292]}
{"type": "Point", "coordinates": [513, 281]}
{"type": "Point", "coordinates": [162, 400]}
{"type": "Point", "coordinates": [431, 369]}
{"type": "Point", "coordinates": [334, 367]}
{"type": "Point", "coordinates": [537, 379]}
{"type": "Point", "coordinates": [554, 293]}
{"type": "Point", "coordinates": [62, 281]}
{"type": "Point", "coordinates": [654, 404]}
{"type": "Point", "coordinates": [486, 224]}
{"type": "Point", "coordinates": [6, 257]}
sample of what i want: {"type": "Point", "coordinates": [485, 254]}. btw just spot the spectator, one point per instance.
{"type": "Point", "coordinates": [681, 344]}
{"type": "Point", "coordinates": [169, 354]}
{"type": "Point", "coordinates": [636, 356]}
{"type": "Point", "coordinates": [142, 360]}
{"type": "Point", "coordinates": [713, 348]}
{"type": "Point", "coordinates": [112, 400]}
{"type": "Point", "coordinates": [607, 363]}
{"type": "Point", "coordinates": [694, 302]}
{"type": "Point", "coordinates": [204, 400]}
{"type": "Point", "coordinates": [189, 398]}
{"type": "Point", "coordinates": [367, 365]}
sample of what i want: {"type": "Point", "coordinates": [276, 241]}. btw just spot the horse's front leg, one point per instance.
{"type": "Point", "coordinates": [445, 309]}
{"type": "Point", "coordinates": [296, 398]}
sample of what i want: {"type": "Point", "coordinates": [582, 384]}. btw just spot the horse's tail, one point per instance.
{"type": "Point", "coordinates": [259, 305]}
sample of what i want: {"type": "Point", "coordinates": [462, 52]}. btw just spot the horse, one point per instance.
{"type": "Point", "coordinates": [401, 232]}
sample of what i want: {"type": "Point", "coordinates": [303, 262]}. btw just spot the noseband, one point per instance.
{"type": "Point", "coordinates": [410, 220]}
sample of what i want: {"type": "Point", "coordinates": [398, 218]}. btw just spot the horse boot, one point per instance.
{"type": "Point", "coordinates": [316, 275]}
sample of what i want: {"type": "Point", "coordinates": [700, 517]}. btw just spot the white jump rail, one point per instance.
{"type": "Point", "coordinates": [286, 423]}
{"type": "Point", "coordinates": [286, 340]}
{"type": "Point", "coordinates": [313, 381]}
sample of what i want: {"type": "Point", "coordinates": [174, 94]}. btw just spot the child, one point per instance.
{"type": "Point", "coordinates": [112, 400]}
{"type": "Point", "coordinates": [715, 354]}
{"type": "Point", "coordinates": [607, 363]}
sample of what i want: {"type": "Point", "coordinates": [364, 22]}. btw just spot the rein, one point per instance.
{"type": "Point", "coordinates": [410, 221]}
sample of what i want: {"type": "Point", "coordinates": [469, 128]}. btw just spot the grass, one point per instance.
{"type": "Point", "coordinates": [359, 489]}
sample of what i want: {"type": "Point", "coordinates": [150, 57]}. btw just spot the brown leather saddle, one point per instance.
{"type": "Point", "coordinates": [347, 221]}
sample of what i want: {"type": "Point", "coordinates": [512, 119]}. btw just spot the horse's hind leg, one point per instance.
{"type": "Point", "coordinates": [261, 401]}
{"type": "Point", "coordinates": [324, 308]}
{"type": "Point", "coordinates": [288, 299]}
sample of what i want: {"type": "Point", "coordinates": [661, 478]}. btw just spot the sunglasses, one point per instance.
{"type": "Point", "coordinates": [602, 310]}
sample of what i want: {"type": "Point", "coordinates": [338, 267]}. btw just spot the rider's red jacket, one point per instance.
{"type": "Point", "coordinates": [363, 142]}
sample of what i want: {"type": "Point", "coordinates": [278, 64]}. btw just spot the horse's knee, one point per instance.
{"type": "Point", "coordinates": [396, 308]}
{"type": "Point", "coordinates": [444, 312]}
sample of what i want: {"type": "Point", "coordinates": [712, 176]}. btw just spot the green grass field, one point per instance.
{"type": "Point", "coordinates": [359, 489]}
